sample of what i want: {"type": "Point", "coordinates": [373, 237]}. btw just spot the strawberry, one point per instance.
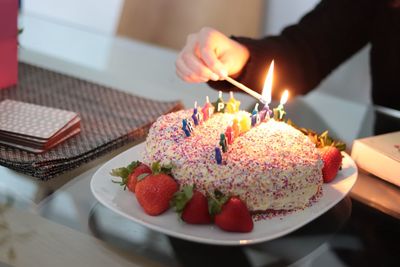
{"type": "Point", "coordinates": [155, 191]}
{"type": "Point", "coordinates": [332, 161]}
{"type": "Point", "coordinates": [130, 173]}
{"type": "Point", "coordinates": [233, 215]}
{"type": "Point", "coordinates": [191, 205]}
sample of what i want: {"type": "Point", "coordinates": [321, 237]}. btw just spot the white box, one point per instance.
{"type": "Point", "coordinates": [379, 155]}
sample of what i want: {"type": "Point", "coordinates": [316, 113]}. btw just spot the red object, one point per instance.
{"type": "Point", "coordinates": [155, 192]}
{"type": "Point", "coordinates": [132, 178]}
{"type": "Point", "coordinates": [229, 135]}
{"type": "Point", "coordinates": [196, 210]}
{"type": "Point", "coordinates": [234, 217]}
{"type": "Point", "coordinates": [8, 43]}
{"type": "Point", "coordinates": [332, 161]}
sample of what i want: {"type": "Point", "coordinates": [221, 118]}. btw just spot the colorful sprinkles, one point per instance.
{"type": "Point", "coordinates": [271, 167]}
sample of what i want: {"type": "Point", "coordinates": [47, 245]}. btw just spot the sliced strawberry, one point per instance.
{"type": "Point", "coordinates": [130, 173]}
{"type": "Point", "coordinates": [332, 161]}
{"type": "Point", "coordinates": [191, 205]}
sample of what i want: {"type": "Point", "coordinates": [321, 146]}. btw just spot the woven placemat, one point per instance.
{"type": "Point", "coordinates": [109, 120]}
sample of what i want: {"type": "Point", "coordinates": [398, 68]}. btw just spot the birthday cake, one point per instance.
{"type": "Point", "coordinates": [266, 163]}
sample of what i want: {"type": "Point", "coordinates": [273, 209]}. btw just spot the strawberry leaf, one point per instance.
{"type": "Point", "coordinates": [157, 168]}
{"type": "Point", "coordinates": [319, 140]}
{"type": "Point", "coordinates": [133, 165]}
{"type": "Point", "coordinates": [123, 173]}
{"type": "Point", "coordinates": [181, 198]}
{"type": "Point", "coordinates": [216, 201]}
{"type": "Point", "coordinates": [167, 169]}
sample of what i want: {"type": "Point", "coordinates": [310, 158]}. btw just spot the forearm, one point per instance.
{"type": "Point", "coordinates": [307, 52]}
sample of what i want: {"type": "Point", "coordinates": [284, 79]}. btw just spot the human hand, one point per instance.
{"type": "Point", "coordinates": [210, 55]}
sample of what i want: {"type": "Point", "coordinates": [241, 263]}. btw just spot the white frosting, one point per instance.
{"type": "Point", "coordinates": [272, 166]}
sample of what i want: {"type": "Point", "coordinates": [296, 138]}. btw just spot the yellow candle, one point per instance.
{"type": "Point", "coordinates": [245, 124]}
{"type": "Point", "coordinates": [233, 105]}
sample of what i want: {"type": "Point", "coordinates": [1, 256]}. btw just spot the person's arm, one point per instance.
{"type": "Point", "coordinates": [307, 52]}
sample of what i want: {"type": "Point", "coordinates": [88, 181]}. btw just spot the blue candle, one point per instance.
{"type": "Point", "coordinates": [218, 155]}
{"type": "Point", "coordinates": [185, 128]}
{"type": "Point", "coordinates": [255, 110]}
{"type": "Point", "coordinates": [255, 118]}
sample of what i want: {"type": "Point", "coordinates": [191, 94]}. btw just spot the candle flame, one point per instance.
{"type": "Point", "coordinates": [195, 104]}
{"type": "Point", "coordinates": [267, 89]}
{"type": "Point", "coordinates": [284, 97]}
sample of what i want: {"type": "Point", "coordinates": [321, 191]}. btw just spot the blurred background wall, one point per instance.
{"type": "Point", "coordinates": [167, 23]}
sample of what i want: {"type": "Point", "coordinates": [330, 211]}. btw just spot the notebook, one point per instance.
{"type": "Point", "coordinates": [35, 128]}
{"type": "Point", "coordinates": [379, 155]}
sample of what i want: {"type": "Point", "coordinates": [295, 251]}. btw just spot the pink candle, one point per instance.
{"type": "Point", "coordinates": [206, 110]}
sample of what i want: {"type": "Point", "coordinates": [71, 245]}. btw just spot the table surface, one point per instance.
{"type": "Point", "coordinates": [59, 222]}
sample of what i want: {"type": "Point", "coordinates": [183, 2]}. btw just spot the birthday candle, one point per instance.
{"type": "Point", "coordinates": [207, 109]}
{"type": "Point", "coordinates": [233, 105]}
{"type": "Point", "coordinates": [219, 104]}
{"type": "Point", "coordinates": [279, 112]}
{"type": "Point", "coordinates": [235, 128]}
{"type": "Point", "coordinates": [194, 116]}
{"type": "Point", "coordinates": [223, 143]}
{"type": "Point", "coordinates": [189, 126]}
{"type": "Point", "coordinates": [245, 124]}
{"type": "Point", "coordinates": [255, 119]}
{"type": "Point", "coordinates": [199, 116]}
{"type": "Point", "coordinates": [184, 128]}
{"type": "Point", "coordinates": [255, 110]}
{"type": "Point", "coordinates": [265, 113]}
{"type": "Point", "coordinates": [218, 155]}
{"type": "Point", "coordinates": [229, 135]}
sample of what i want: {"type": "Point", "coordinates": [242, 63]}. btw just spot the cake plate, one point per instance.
{"type": "Point", "coordinates": [125, 204]}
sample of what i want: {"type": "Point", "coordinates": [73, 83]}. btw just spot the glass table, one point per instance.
{"type": "Point", "coordinates": [60, 223]}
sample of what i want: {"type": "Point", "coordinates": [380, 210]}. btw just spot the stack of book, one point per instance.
{"type": "Point", "coordinates": [379, 155]}
{"type": "Point", "coordinates": [35, 128]}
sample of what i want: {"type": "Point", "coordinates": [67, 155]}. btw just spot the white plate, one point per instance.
{"type": "Point", "coordinates": [124, 203]}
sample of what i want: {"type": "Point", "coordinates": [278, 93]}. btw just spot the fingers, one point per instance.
{"type": "Point", "coordinates": [193, 69]}
{"type": "Point", "coordinates": [202, 57]}
{"type": "Point", "coordinates": [209, 43]}
{"type": "Point", "coordinates": [189, 67]}
{"type": "Point", "coordinates": [211, 60]}
{"type": "Point", "coordinates": [186, 74]}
